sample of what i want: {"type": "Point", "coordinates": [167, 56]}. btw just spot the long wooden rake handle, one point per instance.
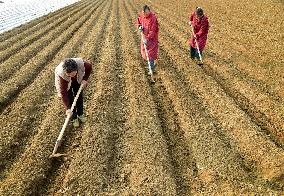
{"type": "Point", "coordinates": [58, 141]}
{"type": "Point", "coordinates": [196, 44]}
{"type": "Point", "coordinates": [147, 56]}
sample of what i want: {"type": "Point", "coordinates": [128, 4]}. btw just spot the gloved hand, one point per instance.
{"type": "Point", "coordinates": [145, 41]}
{"type": "Point", "coordinates": [84, 83]}
{"type": "Point", "coordinates": [140, 28]}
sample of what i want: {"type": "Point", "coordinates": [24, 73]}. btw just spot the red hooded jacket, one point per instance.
{"type": "Point", "coordinates": [150, 29]}
{"type": "Point", "coordinates": [200, 28]}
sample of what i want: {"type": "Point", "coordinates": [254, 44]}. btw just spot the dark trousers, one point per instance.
{"type": "Point", "coordinates": [194, 53]}
{"type": "Point", "coordinates": [78, 110]}
{"type": "Point", "coordinates": [152, 64]}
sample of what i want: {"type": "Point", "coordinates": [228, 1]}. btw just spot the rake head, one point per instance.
{"type": "Point", "coordinates": [54, 154]}
{"type": "Point", "coordinates": [57, 155]}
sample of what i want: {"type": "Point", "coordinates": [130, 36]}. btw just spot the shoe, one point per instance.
{"type": "Point", "coordinates": [75, 123]}
{"type": "Point", "coordinates": [82, 118]}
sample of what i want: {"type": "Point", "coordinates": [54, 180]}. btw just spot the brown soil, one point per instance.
{"type": "Point", "coordinates": [210, 130]}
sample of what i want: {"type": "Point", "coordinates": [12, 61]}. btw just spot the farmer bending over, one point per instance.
{"type": "Point", "coordinates": [69, 75]}
{"type": "Point", "coordinates": [200, 26]}
{"type": "Point", "coordinates": [148, 24]}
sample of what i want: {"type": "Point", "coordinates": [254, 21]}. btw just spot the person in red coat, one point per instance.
{"type": "Point", "coordinates": [147, 23]}
{"type": "Point", "coordinates": [200, 26]}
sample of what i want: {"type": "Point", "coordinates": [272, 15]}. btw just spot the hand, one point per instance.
{"type": "Point", "coordinates": [140, 28]}
{"type": "Point", "coordinates": [84, 83]}
{"type": "Point", "coordinates": [145, 41]}
{"type": "Point", "coordinates": [69, 112]}
{"type": "Point", "coordinates": [189, 23]}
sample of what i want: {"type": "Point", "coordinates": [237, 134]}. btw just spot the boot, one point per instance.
{"type": "Point", "coordinates": [75, 123]}
{"type": "Point", "coordinates": [82, 118]}
{"type": "Point", "coordinates": [199, 62]}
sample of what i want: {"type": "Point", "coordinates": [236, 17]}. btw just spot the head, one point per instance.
{"type": "Point", "coordinates": [199, 12]}
{"type": "Point", "coordinates": [146, 10]}
{"type": "Point", "coordinates": [70, 67]}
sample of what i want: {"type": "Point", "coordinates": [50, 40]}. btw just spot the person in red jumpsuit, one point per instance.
{"type": "Point", "coordinates": [147, 23]}
{"type": "Point", "coordinates": [200, 26]}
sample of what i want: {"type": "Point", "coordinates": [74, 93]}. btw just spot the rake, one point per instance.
{"type": "Point", "coordinates": [59, 139]}
{"type": "Point", "coordinates": [148, 60]}
{"type": "Point", "coordinates": [200, 57]}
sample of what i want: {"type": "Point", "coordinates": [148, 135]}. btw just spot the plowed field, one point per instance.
{"type": "Point", "coordinates": [216, 129]}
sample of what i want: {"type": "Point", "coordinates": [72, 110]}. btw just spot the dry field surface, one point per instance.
{"type": "Point", "coordinates": [216, 129]}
